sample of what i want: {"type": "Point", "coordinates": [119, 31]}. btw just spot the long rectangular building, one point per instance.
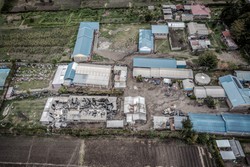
{"type": "Point", "coordinates": [84, 41]}
{"type": "Point", "coordinates": [221, 123]}
{"type": "Point", "coordinates": [146, 41]}
{"type": "Point", "coordinates": [82, 74]}
{"type": "Point", "coordinates": [59, 111]}
{"type": "Point", "coordinates": [163, 73]}
{"type": "Point", "coordinates": [238, 97]}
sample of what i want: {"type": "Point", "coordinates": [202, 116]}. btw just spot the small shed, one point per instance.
{"type": "Point", "coordinates": [181, 64]}
{"type": "Point", "coordinates": [167, 81]}
{"type": "Point", "coordinates": [115, 123]}
{"type": "Point", "coordinates": [9, 92]}
{"type": "Point", "coordinates": [227, 155]}
{"type": "Point", "coordinates": [188, 85]}
{"type": "Point", "coordinates": [178, 122]}
{"type": "Point", "coordinates": [187, 17]}
{"type": "Point", "coordinates": [160, 122]}
{"type": "Point", "coordinates": [176, 25]}
{"type": "Point", "coordinates": [222, 143]}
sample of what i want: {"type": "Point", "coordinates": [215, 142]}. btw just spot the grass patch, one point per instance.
{"type": "Point", "coordinates": [25, 113]}
{"type": "Point", "coordinates": [96, 57]}
{"type": "Point", "coordinates": [31, 76]}
{"type": "Point", "coordinates": [162, 46]}
{"type": "Point", "coordinates": [215, 36]}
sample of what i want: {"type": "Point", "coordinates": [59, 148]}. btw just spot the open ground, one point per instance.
{"type": "Point", "coordinates": [122, 152]}
{"type": "Point", "coordinates": [23, 113]}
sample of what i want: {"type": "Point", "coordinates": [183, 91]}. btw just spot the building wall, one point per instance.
{"type": "Point", "coordinates": [160, 36]}
{"type": "Point", "coordinates": [201, 17]}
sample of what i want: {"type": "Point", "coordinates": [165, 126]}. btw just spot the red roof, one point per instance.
{"type": "Point", "coordinates": [179, 7]}
{"type": "Point", "coordinates": [226, 33]}
{"type": "Point", "coordinates": [200, 10]}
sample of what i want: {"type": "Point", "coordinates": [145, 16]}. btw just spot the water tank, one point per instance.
{"type": "Point", "coordinates": [202, 79]}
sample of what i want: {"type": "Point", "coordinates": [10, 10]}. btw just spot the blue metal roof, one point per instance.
{"type": "Point", "coordinates": [146, 41]}
{"type": "Point", "coordinates": [221, 123]}
{"type": "Point", "coordinates": [91, 25]}
{"type": "Point", "coordinates": [207, 123]}
{"type": "Point", "coordinates": [235, 91]}
{"type": "Point", "coordinates": [3, 75]}
{"type": "Point", "coordinates": [159, 29]}
{"type": "Point", "coordinates": [237, 122]}
{"type": "Point", "coordinates": [70, 72]}
{"type": "Point", "coordinates": [154, 62]}
{"type": "Point", "coordinates": [85, 38]}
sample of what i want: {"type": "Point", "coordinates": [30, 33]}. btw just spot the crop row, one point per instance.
{"type": "Point", "coordinates": [34, 50]}
{"type": "Point", "coordinates": [38, 33]}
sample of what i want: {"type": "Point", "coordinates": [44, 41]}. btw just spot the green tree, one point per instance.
{"type": "Point", "coordinates": [208, 59]}
{"type": "Point", "coordinates": [188, 134]}
{"type": "Point", "coordinates": [148, 17]}
{"type": "Point", "coordinates": [203, 138]}
{"type": "Point", "coordinates": [210, 102]}
{"type": "Point", "coordinates": [139, 78]}
{"type": "Point", "coordinates": [1, 4]}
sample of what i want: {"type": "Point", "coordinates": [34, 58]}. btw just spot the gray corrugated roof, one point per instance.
{"type": "Point", "coordinates": [223, 143]}
{"type": "Point", "coordinates": [115, 123]}
{"type": "Point", "coordinates": [227, 155]}
{"type": "Point", "coordinates": [243, 75]}
{"type": "Point", "coordinates": [159, 29]}
{"type": "Point", "coordinates": [236, 148]}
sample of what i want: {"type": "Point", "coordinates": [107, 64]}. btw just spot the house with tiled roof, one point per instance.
{"type": "Point", "coordinates": [200, 12]}
{"type": "Point", "coordinates": [228, 41]}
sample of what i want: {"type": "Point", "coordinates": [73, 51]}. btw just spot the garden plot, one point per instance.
{"type": "Point", "coordinates": [37, 45]}
{"type": "Point", "coordinates": [178, 40]}
{"type": "Point", "coordinates": [162, 46]}
{"type": "Point", "coordinates": [120, 37]}
{"type": "Point", "coordinates": [32, 76]}
{"type": "Point", "coordinates": [25, 113]}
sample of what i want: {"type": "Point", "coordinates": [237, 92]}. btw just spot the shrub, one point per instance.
{"type": "Point", "coordinates": [139, 78]}
{"type": "Point", "coordinates": [208, 59]}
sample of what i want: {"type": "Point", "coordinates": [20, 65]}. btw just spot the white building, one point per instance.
{"type": "Point", "coordinates": [163, 73]}
{"type": "Point", "coordinates": [59, 76]}
{"type": "Point", "coordinates": [92, 75]}
{"type": "Point", "coordinates": [176, 25]}
{"type": "Point", "coordinates": [213, 91]}
{"type": "Point", "coordinates": [115, 123]}
{"type": "Point", "coordinates": [120, 77]}
{"type": "Point", "coordinates": [135, 109]}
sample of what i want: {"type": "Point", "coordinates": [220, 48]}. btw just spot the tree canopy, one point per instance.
{"type": "Point", "coordinates": [208, 59]}
{"type": "Point", "coordinates": [237, 17]}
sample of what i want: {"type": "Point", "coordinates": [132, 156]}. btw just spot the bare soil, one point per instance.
{"type": "Point", "coordinates": [136, 152]}
{"type": "Point", "coordinates": [110, 152]}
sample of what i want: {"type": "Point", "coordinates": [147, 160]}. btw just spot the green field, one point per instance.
{"type": "Point", "coordinates": [162, 46]}
{"type": "Point", "coordinates": [25, 113]}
